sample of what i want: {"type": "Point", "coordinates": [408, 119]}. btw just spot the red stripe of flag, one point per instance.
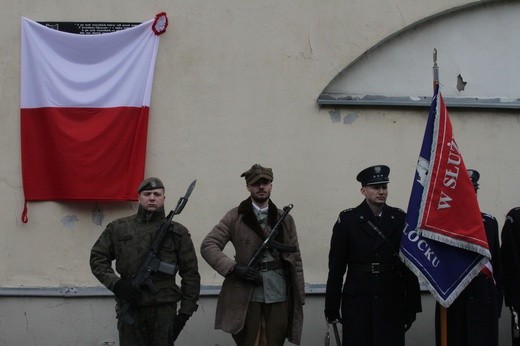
{"type": "Point", "coordinates": [83, 153]}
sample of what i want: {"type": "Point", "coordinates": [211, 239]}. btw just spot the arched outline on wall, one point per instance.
{"type": "Point", "coordinates": [337, 93]}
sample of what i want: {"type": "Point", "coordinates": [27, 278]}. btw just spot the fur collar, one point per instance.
{"type": "Point", "coordinates": [249, 218]}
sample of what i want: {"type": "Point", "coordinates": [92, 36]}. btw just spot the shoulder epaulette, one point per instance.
{"type": "Point", "coordinates": [348, 210]}
{"type": "Point", "coordinates": [512, 212]}
{"type": "Point", "coordinates": [343, 212]}
{"type": "Point", "coordinates": [489, 215]}
{"type": "Point", "coordinates": [179, 229]}
{"type": "Point", "coordinates": [395, 209]}
{"type": "Point", "coordinates": [401, 210]}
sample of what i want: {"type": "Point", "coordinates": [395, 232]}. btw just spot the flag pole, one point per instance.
{"type": "Point", "coordinates": [444, 326]}
{"type": "Point", "coordinates": [435, 71]}
{"type": "Point", "coordinates": [443, 311]}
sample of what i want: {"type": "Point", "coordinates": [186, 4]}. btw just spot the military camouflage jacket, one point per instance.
{"type": "Point", "coordinates": [128, 239]}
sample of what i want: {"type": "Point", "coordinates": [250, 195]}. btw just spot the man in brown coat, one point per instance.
{"type": "Point", "coordinates": [259, 305]}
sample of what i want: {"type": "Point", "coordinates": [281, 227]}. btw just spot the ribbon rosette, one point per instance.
{"type": "Point", "coordinates": [160, 23]}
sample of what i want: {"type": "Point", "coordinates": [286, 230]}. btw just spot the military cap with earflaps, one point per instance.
{"type": "Point", "coordinates": [474, 176]}
{"type": "Point", "coordinates": [374, 175]}
{"type": "Point", "coordinates": [151, 183]}
{"type": "Point", "coordinates": [257, 172]}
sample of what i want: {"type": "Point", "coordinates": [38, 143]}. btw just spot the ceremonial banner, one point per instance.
{"type": "Point", "coordinates": [444, 241]}
{"type": "Point", "coordinates": [84, 111]}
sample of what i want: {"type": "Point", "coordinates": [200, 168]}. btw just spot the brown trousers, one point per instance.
{"type": "Point", "coordinates": [265, 325]}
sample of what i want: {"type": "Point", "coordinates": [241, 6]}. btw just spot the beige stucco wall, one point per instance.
{"type": "Point", "coordinates": [71, 322]}
{"type": "Point", "coordinates": [236, 83]}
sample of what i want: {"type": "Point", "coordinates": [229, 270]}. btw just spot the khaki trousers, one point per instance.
{"type": "Point", "coordinates": [265, 325]}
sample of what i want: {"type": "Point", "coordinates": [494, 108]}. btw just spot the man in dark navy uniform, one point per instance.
{"type": "Point", "coordinates": [472, 319]}
{"type": "Point", "coordinates": [510, 251]}
{"type": "Point", "coordinates": [380, 296]}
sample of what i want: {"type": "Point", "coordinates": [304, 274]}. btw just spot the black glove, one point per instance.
{"type": "Point", "coordinates": [176, 326]}
{"type": "Point", "coordinates": [332, 316]}
{"type": "Point", "coordinates": [248, 274]}
{"type": "Point", "coordinates": [125, 290]}
{"type": "Point", "coordinates": [409, 318]}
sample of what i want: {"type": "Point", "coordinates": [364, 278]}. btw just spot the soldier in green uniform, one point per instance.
{"type": "Point", "coordinates": [125, 241]}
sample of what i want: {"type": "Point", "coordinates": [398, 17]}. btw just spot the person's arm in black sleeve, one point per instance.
{"type": "Point", "coordinates": [496, 259]}
{"type": "Point", "coordinates": [510, 256]}
{"type": "Point", "coordinates": [413, 296]}
{"type": "Point", "coordinates": [337, 267]}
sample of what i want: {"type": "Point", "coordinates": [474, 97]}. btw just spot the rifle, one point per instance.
{"type": "Point", "coordinates": [151, 263]}
{"type": "Point", "coordinates": [336, 334]}
{"type": "Point", "coordinates": [269, 241]}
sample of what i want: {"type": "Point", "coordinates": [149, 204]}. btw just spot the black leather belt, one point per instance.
{"type": "Point", "coordinates": [269, 265]}
{"type": "Point", "coordinates": [374, 268]}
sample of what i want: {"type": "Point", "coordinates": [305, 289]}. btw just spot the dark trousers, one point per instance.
{"type": "Point", "coordinates": [150, 327]}
{"type": "Point", "coordinates": [472, 319]}
{"type": "Point", "coordinates": [265, 324]}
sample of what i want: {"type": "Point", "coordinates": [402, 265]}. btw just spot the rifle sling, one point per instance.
{"type": "Point", "coordinates": [384, 237]}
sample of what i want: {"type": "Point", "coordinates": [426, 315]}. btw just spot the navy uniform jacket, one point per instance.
{"type": "Point", "coordinates": [511, 258]}
{"type": "Point", "coordinates": [511, 263]}
{"type": "Point", "coordinates": [472, 319]}
{"type": "Point", "coordinates": [373, 306]}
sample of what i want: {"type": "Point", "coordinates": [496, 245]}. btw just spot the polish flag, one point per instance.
{"type": "Point", "coordinates": [85, 102]}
